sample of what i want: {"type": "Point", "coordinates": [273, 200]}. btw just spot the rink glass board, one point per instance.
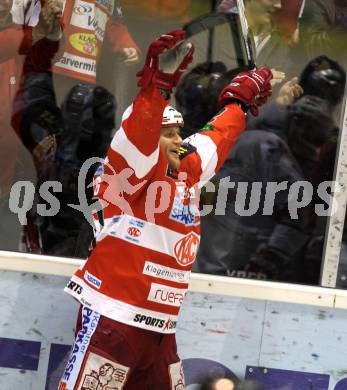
{"type": "Point", "coordinates": [282, 345]}
{"type": "Point", "coordinates": [27, 155]}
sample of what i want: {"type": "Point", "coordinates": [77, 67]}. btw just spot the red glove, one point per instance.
{"type": "Point", "coordinates": [167, 58]}
{"type": "Point", "coordinates": [251, 89]}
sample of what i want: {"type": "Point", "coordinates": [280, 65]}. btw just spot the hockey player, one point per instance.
{"type": "Point", "coordinates": [33, 47]}
{"type": "Point", "coordinates": [135, 280]}
{"type": "Point", "coordinates": [88, 24]}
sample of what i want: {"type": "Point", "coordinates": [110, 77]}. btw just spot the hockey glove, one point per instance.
{"type": "Point", "coordinates": [167, 58]}
{"type": "Point", "coordinates": [250, 89]}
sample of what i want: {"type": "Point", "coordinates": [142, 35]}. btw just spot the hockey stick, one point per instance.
{"type": "Point", "coordinates": [239, 31]}
{"type": "Point", "coordinates": [248, 41]}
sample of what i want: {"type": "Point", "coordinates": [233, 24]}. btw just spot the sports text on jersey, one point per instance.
{"type": "Point", "coordinates": [75, 287]}
{"type": "Point", "coordinates": [155, 322]}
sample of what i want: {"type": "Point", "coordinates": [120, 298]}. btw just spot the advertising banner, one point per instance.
{"type": "Point", "coordinates": [282, 345]}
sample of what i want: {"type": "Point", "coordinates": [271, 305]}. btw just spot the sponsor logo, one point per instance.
{"type": "Point", "coordinates": [81, 14]}
{"type": "Point", "coordinates": [166, 273]}
{"type": "Point", "coordinates": [177, 376]}
{"type": "Point", "coordinates": [92, 279]}
{"type": "Point", "coordinates": [185, 214]}
{"type": "Point", "coordinates": [89, 324]}
{"type": "Point", "coordinates": [155, 322]}
{"type": "Point", "coordinates": [166, 295]}
{"type": "Point", "coordinates": [134, 232]}
{"type": "Point", "coordinates": [101, 373]}
{"type": "Point", "coordinates": [98, 24]}
{"type": "Point", "coordinates": [85, 42]}
{"type": "Point", "coordinates": [83, 9]}
{"type": "Point", "coordinates": [87, 17]}
{"type": "Point", "coordinates": [78, 64]}
{"type": "Point", "coordinates": [169, 324]}
{"type": "Point", "coordinates": [186, 248]}
{"type": "Point", "coordinates": [75, 287]}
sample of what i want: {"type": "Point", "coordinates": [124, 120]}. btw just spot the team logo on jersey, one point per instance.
{"type": "Point", "coordinates": [85, 42]}
{"type": "Point", "coordinates": [134, 232]}
{"type": "Point", "coordinates": [186, 249]}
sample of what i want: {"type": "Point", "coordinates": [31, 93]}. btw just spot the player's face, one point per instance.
{"type": "Point", "coordinates": [170, 141]}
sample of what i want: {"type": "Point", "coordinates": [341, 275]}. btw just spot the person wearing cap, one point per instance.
{"type": "Point", "coordinates": [147, 230]}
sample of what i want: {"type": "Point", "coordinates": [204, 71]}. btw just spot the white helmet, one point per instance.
{"type": "Point", "coordinates": [172, 117]}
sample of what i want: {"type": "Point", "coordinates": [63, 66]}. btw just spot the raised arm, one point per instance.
{"type": "Point", "coordinates": [136, 143]}
{"type": "Point", "coordinates": [119, 37]}
{"type": "Point", "coordinates": [208, 149]}
{"type": "Point", "coordinates": [134, 153]}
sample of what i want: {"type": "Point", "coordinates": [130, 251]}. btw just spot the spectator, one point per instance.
{"type": "Point", "coordinates": [18, 44]}
{"type": "Point", "coordinates": [325, 78]}
{"type": "Point", "coordinates": [88, 114]}
{"type": "Point", "coordinates": [226, 383]}
{"type": "Point", "coordinates": [88, 27]}
{"type": "Point", "coordinates": [323, 28]}
{"type": "Point", "coordinates": [283, 148]}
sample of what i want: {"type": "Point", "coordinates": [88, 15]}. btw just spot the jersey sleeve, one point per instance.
{"type": "Point", "coordinates": [117, 33]}
{"type": "Point", "coordinates": [118, 36]}
{"type": "Point", "coordinates": [133, 155]}
{"type": "Point", "coordinates": [136, 143]}
{"type": "Point", "coordinates": [210, 147]}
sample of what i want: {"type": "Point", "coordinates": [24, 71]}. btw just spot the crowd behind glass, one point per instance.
{"type": "Point", "coordinates": [67, 72]}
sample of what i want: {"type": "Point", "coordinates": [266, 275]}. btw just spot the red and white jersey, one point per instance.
{"type": "Point", "coordinates": [138, 273]}
{"type": "Point", "coordinates": [86, 24]}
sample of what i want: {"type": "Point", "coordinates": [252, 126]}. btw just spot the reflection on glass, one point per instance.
{"type": "Point", "coordinates": [64, 93]}
{"type": "Point", "coordinates": [276, 179]}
